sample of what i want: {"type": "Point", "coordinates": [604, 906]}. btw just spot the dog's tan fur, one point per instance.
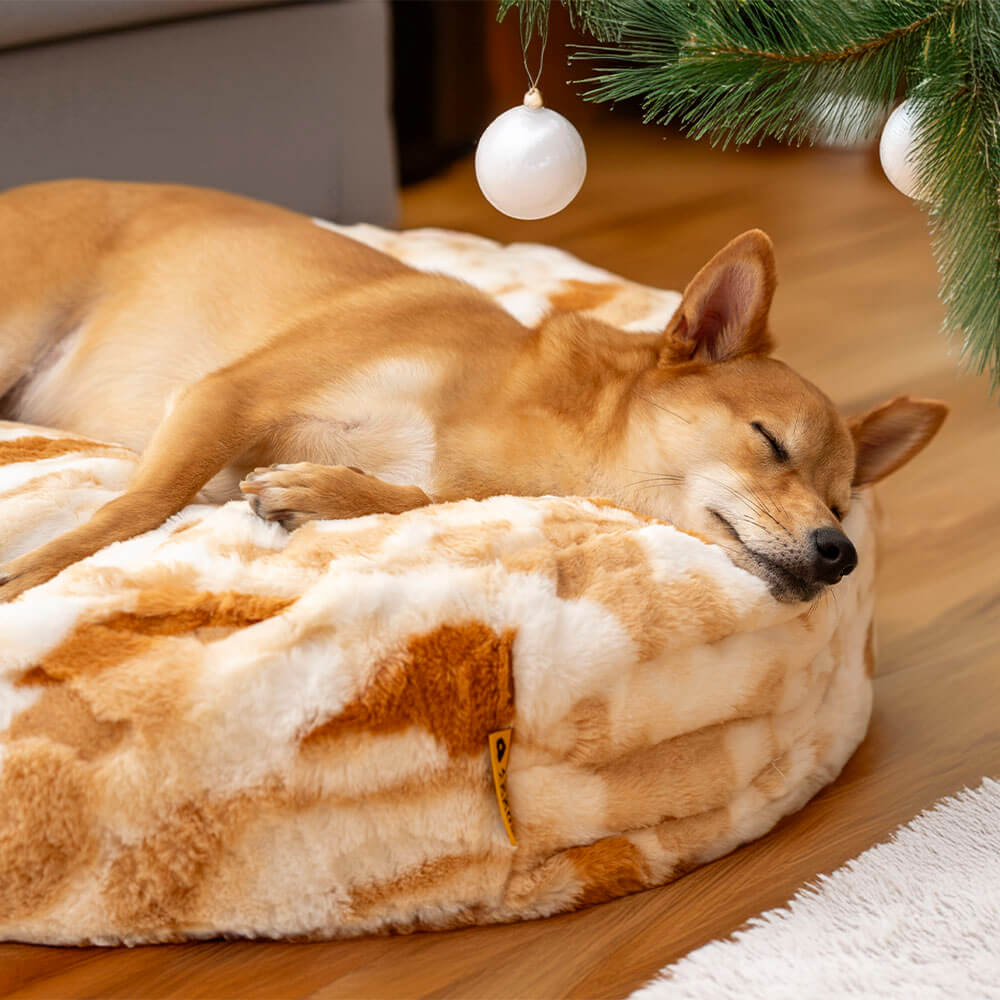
{"type": "Point", "coordinates": [220, 335]}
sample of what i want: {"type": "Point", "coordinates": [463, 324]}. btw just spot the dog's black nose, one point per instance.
{"type": "Point", "coordinates": [835, 555]}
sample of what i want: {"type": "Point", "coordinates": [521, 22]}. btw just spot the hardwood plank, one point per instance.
{"type": "Point", "coordinates": [857, 312]}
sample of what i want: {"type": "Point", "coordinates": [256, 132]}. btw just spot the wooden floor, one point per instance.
{"type": "Point", "coordinates": [856, 311]}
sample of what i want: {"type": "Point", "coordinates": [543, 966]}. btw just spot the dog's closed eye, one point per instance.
{"type": "Point", "coordinates": [779, 450]}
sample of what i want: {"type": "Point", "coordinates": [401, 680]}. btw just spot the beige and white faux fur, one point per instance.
{"type": "Point", "coordinates": [220, 728]}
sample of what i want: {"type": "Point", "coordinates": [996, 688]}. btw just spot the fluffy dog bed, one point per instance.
{"type": "Point", "coordinates": [219, 728]}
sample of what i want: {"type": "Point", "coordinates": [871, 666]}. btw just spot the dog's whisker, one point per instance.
{"type": "Point", "coordinates": [653, 479]}
{"type": "Point", "coordinates": [649, 485]}
{"type": "Point", "coordinates": [657, 475]}
{"type": "Point", "coordinates": [750, 487]}
{"type": "Point", "coordinates": [759, 500]}
{"type": "Point", "coordinates": [776, 500]}
{"type": "Point", "coordinates": [821, 597]}
{"type": "Point", "coordinates": [736, 493]}
{"type": "Point", "coordinates": [672, 413]}
{"type": "Point", "coordinates": [753, 498]}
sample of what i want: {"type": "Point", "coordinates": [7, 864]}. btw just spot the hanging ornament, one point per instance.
{"type": "Point", "coordinates": [896, 150]}
{"type": "Point", "coordinates": [530, 161]}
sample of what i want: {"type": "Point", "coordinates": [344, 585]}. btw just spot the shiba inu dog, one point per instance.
{"type": "Point", "coordinates": [240, 347]}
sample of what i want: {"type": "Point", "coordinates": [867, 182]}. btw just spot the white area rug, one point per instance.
{"type": "Point", "coordinates": [917, 917]}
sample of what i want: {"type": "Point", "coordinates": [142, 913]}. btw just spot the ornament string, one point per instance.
{"type": "Point", "coordinates": [526, 24]}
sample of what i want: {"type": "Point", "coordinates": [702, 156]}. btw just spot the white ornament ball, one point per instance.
{"type": "Point", "coordinates": [530, 161]}
{"type": "Point", "coordinates": [896, 151]}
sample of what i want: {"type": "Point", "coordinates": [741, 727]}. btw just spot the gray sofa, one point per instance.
{"type": "Point", "coordinates": [288, 102]}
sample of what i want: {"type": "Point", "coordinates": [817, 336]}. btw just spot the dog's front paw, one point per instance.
{"type": "Point", "coordinates": [295, 494]}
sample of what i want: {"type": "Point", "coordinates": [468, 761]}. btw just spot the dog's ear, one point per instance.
{"type": "Point", "coordinates": [887, 437]}
{"type": "Point", "coordinates": [723, 313]}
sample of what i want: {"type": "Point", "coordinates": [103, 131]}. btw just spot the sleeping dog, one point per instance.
{"type": "Point", "coordinates": [238, 346]}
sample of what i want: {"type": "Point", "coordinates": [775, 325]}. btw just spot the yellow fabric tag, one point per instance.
{"type": "Point", "coordinates": [499, 755]}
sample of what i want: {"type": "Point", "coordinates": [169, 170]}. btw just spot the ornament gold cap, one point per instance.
{"type": "Point", "coordinates": [533, 98]}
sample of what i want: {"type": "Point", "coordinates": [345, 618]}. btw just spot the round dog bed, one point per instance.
{"type": "Point", "coordinates": [469, 713]}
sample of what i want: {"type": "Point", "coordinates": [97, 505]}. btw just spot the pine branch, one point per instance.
{"type": "Point", "coordinates": [957, 109]}
{"type": "Point", "coordinates": [741, 72]}
{"type": "Point", "coordinates": [593, 17]}
{"type": "Point", "coordinates": [849, 51]}
{"type": "Point", "coordinates": [744, 70]}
